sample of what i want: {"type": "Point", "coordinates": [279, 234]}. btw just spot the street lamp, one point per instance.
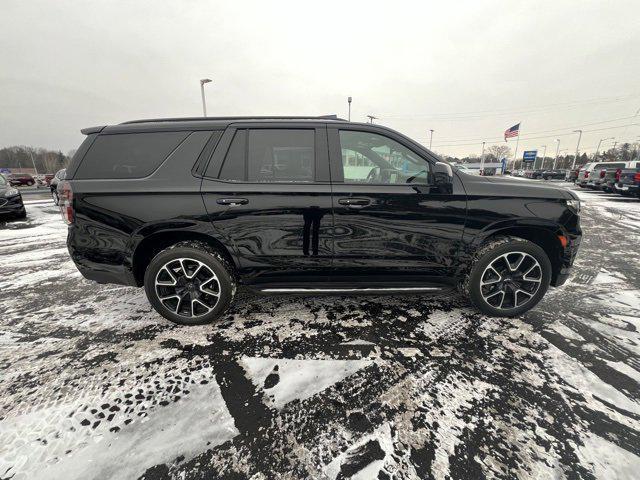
{"type": "Point", "coordinates": [557, 152]}
{"type": "Point", "coordinates": [544, 152]}
{"type": "Point", "coordinates": [430, 139]}
{"type": "Point", "coordinates": [575, 159]}
{"type": "Point", "coordinates": [204, 104]}
{"type": "Point", "coordinates": [349, 101]}
{"type": "Point", "coordinates": [482, 158]}
{"type": "Point", "coordinates": [372, 118]}
{"type": "Point", "coordinates": [595, 158]}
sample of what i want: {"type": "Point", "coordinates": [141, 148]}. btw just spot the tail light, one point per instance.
{"type": "Point", "coordinates": [602, 173]}
{"type": "Point", "coordinates": [586, 174]}
{"type": "Point", "coordinates": [618, 173]}
{"type": "Point", "coordinates": [66, 201]}
{"type": "Point", "coordinates": [636, 177]}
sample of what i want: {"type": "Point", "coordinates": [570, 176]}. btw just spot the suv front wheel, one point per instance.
{"type": "Point", "coordinates": [189, 283]}
{"type": "Point", "coordinates": [508, 277]}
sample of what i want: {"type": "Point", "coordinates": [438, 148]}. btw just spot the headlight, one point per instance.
{"type": "Point", "coordinates": [11, 192]}
{"type": "Point", "coordinates": [574, 205]}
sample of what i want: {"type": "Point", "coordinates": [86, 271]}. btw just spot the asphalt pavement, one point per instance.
{"type": "Point", "coordinates": [95, 384]}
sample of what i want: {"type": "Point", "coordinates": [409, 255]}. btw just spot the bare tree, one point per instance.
{"type": "Point", "coordinates": [497, 152]}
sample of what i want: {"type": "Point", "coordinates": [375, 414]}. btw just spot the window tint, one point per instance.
{"type": "Point", "coordinates": [279, 155]}
{"type": "Point", "coordinates": [234, 163]}
{"type": "Point", "coordinates": [129, 155]}
{"type": "Point", "coordinates": [372, 158]}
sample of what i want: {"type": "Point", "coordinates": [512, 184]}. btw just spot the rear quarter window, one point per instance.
{"type": "Point", "coordinates": [128, 155]}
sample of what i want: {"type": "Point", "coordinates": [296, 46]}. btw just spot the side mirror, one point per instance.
{"type": "Point", "coordinates": [443, 177]}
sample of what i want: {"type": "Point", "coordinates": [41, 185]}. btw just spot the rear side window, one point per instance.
{"type": "Point", "coordinates": [281, 156]}
{"type": "Point", "coordinates": [270, 155]}
{"type": "Point", "coordinates": [233, 168]}
{"type": "Point", "coordinates": [129, 155]}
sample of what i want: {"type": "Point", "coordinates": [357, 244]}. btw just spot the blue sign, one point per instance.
{"type": "Point", "coordinates": [529, 156]}
{"type": "Point", "coordinates": [5, 170]}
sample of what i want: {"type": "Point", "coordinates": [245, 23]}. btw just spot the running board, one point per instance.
{"type": "Point", "coordinates": [350, 290]}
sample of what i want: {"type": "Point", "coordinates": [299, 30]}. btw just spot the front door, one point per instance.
{"type": "Point", "coordinates": [267, 191]}
{"type": "Point", "coordinates": [391, 222]}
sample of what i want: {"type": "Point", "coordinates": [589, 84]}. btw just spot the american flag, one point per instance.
{"type": "Point", "coordinates": [512, 132]}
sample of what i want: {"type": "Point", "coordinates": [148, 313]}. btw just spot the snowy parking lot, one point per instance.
{"type": "Point", "coordinates": [95, 384]}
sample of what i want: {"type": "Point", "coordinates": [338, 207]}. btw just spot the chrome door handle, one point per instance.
{"type": "Point", "coordinates": [354, 202]}
{"type": "Point", "coordinates": [232, 201]}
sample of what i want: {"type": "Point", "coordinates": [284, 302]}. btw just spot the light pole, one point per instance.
{"type": "Point", "coordinates": [482, 158]}
{"type": "Point", "coordinates": [544, 152]}
{"type": "Point", "coordinates": [430, 139]}
{"type": "Point", "coordinates": [614, 150]}
{"type": "Point", "coordinates": [349, 102]}
{"type": "Point", "coordinates": [595, 158]}
{"type": "Point", "coordinates": [204, 104]}
{"type": "Point", "coordinates": [372, 118]}
{"type": "Point", "coordinates": [33, 161]}
{"type": "Point", "coordinates": [557, 152]}
{"type": "Point", "coordinates": [575, 159]}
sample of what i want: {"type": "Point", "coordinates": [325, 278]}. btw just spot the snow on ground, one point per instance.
{"type": "Point", "coordinates": [94, 384]}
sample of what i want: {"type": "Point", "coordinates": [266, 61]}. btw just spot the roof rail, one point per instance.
{"type": "Point", "coordinates": [248, 117]}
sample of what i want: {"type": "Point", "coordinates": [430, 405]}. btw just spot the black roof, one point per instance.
{"type": "Point", "coordinates": [199, 123]}
{"type": "Point", "coordinates": [253, 117]}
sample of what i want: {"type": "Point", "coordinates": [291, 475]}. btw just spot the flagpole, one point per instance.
{"type": "Point", "coordinates": [513, 167]}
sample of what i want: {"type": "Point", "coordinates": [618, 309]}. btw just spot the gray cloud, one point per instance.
{"type": "Point", "coordinates": [71, 64]}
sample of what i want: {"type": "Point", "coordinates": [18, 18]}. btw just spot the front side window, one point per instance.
{"type": "Point", "coordinates": [373, 158]}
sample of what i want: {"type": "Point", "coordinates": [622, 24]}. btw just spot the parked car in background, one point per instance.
{"type": "Point", "coordinates": [628, 180]}
{"type": "Point", "coordinates": [572, 175]}
{"type": "Point", "coordinates": [554, 174]}
{"type": "Point", "coordinates": [44, 179]}
{"type": "Point", "coordinates": [612, 175]}
{"type": "Point", "coordinates": [596, 180]}
{"type": "Point", "coordinates": [191, 208]}
{"type": "Point", "coordinates": [10, 200]}
{"type": "Point", "coordinates": [20, 179]}
{"type": "Point", "coordinates": [586, 172]}
{"type": "Point", "coordinates": [54, 185]}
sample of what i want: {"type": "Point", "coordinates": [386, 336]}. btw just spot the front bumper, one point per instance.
{"type": "Point", "coordinates": [568, 256]}
{"type": "Point", "coordinates": [11, 205]}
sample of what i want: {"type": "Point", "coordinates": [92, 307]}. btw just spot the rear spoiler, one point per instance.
{"type": "Point", "coordinates": [90, 130]}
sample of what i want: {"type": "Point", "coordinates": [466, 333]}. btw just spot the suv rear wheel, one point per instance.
{"type": "Point", "coordinates": [189, 283]}
{"type": "Point", "coordinates": [508, 277]}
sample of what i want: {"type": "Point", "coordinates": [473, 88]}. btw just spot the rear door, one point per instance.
{"type": "Point", "coordinates": [391, 222]}
{"type": "Point", "coordinates": [267, 192]}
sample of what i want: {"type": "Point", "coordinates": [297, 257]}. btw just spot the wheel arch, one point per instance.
{"type": "Point", "coordinates": [154, 243]}
{"type": "Point", "coordinates": [546, 236]}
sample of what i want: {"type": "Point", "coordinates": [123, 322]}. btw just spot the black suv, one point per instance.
{"type": "Point", "coordinates": [191, 208]}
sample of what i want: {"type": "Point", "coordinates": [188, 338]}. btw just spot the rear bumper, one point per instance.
{"type": "Point", "coordinates": [105, 267]}
{"type": "Point", "coordinates": [631, 189]}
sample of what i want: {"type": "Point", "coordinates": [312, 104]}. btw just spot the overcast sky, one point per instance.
{"type": "Point", "coordinates": [468, 70]}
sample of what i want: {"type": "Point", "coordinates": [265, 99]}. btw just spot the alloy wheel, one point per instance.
{"type": "Point", "coordinates": [511, 280]}
{"type": "Point", "coordinates": [187, 287]}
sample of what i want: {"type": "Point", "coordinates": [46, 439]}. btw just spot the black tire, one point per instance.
{"type": "Point", "coordinates": [198, 252]}
{"type": "Point", "coordinates": [491, 251]}
{"type": "Point", "coordinates": [22, 214]}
